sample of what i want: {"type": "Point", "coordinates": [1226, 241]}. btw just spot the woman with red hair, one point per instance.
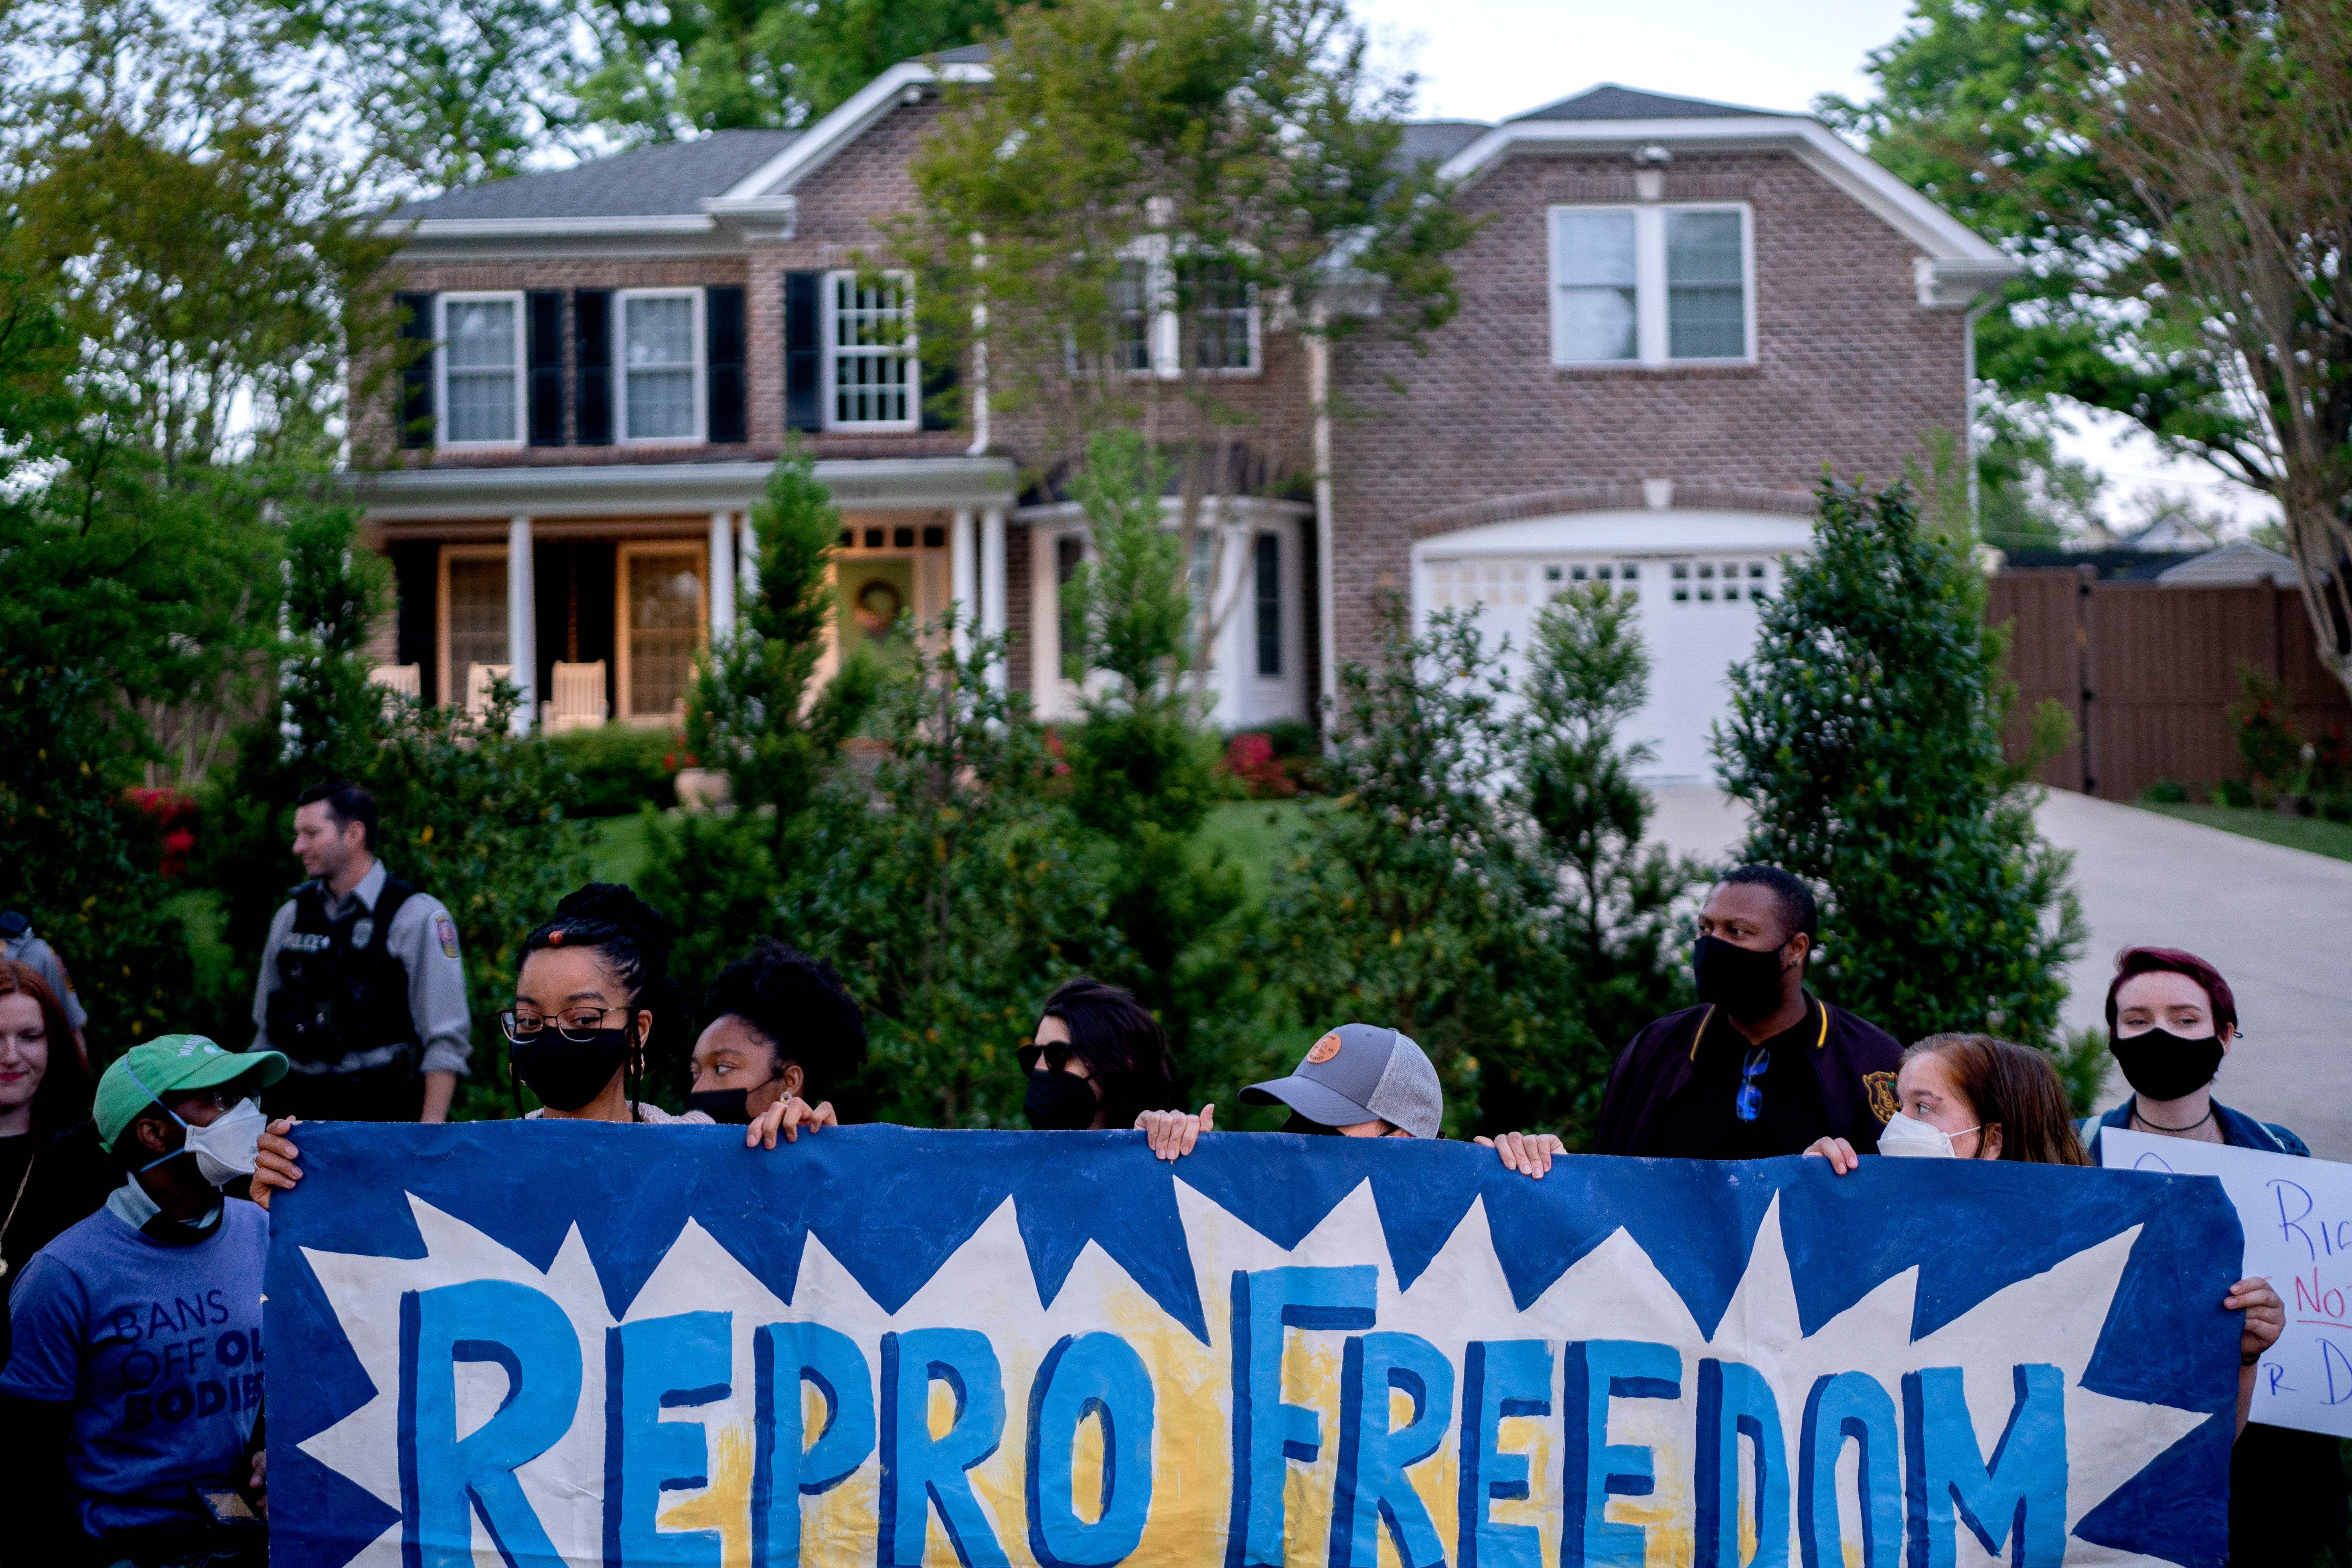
{"type": "Point", "coordinates": [2170, 1020]}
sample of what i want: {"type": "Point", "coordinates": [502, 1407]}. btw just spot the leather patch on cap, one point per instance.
{"type": "Point", "coordinates": [1324, 1049]}
{"type": "Point", "coordinates": [1883, 1103]}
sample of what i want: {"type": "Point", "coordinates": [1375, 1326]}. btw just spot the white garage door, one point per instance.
{"type": "Point", "coordinates": [1698, 616]}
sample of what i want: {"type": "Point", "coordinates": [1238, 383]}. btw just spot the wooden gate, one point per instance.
{"type": "Point", "coordinates": [2147, 673]}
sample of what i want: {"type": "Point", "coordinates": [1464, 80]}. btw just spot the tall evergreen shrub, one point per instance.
{"type": "Point", "coordinates": [1865, 734]}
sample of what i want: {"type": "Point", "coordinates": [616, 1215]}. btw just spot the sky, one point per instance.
{"type": "Point", "coordinates": [1488, 59]}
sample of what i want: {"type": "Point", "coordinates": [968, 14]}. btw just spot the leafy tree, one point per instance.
{"type": "Point", "coordinates": [1134, 162]}
{"type": "Point", "coordinates": [692, 66]}
{"type": "Point", "coordinates": [1608, 903]}
{"type": "Point", "coordinates": [755, 713]}
{"type": "Point", "coordinates": [1405, 898]}
{"type": "Point", "coordinates": [2174, 176]}
{"type": "Point", "coordinates": [1866, 736]}
{"type": "Point", "coordinates": [950, 890]}
{"type": "Point", "coordinates": [1143, 775]}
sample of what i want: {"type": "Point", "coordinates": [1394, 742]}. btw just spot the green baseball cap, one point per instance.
{"type": "Point", "coordinates": [175, 1063]}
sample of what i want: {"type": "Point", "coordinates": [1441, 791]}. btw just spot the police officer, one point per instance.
{"type": "Point", "coordinates": [361, 988]}
{"type": "Point", "coordinates": [18, 942]}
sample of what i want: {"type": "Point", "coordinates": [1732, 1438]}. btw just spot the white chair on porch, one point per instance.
{"type": "Point", "coordinates": [477, 685]}
{"type": "Point", "coordinates": [401, 680]}
{"type": "Point", "coordinates": [577, 702]}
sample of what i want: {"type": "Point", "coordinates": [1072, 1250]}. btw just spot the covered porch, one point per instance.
{"type": "Point", "coordinates": [594, 588]}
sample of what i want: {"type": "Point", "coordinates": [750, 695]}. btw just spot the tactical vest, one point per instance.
{"type": "Point", "coordinates": [338, 990]}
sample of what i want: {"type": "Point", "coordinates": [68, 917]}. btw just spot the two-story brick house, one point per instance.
{"type": "Point", "coordinates": [1674, 313]}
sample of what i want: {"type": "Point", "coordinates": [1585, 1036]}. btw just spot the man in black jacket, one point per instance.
{"type": "Point", "coordinates": [1761, 1067]}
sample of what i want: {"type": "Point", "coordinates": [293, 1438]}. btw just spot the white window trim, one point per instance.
{"type": "Point", "coordinates": [1165, 331]}
{"type": "Point", "coordinates": [441, 369]}
{"type": "Point", "coordinates": [701, 345]}
{"type": "Point", "coordinates": [1651, 336]}
{"type": "Point", "coordinates": [910, 348]}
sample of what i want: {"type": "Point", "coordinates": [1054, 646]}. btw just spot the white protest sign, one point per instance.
{"type": "Point", "coordinates": [2298, 1216]}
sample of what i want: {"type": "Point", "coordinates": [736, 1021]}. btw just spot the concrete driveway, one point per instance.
{"type": "Point", "coordinates": [2276, 921]}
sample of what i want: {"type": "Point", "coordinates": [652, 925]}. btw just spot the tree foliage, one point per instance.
{"type": "Point", "coordinates": [1406, 899]}
{"type": "Point", "coordinates": [1609, 902]}
{"type": "Point", "coordinates": [1144, 173]}
{"type": "Point", "coordinates": [1866, 735]}
{"type": "Point", "coordinates": [2174, 176]}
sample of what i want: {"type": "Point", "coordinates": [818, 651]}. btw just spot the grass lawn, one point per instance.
{"type": "Point", "coordinates": [2315, 834]}
{"type": "Point", "coordinates": [1252, 833]}
{"type": "Point", "coordinates": [616, 848]}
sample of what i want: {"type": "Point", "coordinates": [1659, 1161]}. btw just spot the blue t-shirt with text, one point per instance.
{"type": "Point", "coordinates": [159, 1349]}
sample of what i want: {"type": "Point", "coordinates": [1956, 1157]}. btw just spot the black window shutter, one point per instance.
{"type": "Point", "coordinates": [592, 329]}
{"type": "Point", "coordinates": [546, 363]}
{"type": "Point", "coordinates": [416, 375]}
{"type": "Point", "coordinates": [938, 405]}
{"type": "Point", "coordinates": [722, 320]}
{"type": "Point", "coordinates": [802, 352]}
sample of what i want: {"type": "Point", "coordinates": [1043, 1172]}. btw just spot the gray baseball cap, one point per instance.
{"type": "Point", "coordinates": [1360, 1072]}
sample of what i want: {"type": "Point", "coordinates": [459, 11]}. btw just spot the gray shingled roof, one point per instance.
{"type": "Point", "coordinates": [971, 53]}
{"type": "Point", "coordinates": [667, 177]}
{"type": "Point", "coordinates": [1438, 140]}
{"type": "Point", "coordinates": [1609, 101]}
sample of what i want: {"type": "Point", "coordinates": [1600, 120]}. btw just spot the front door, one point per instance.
{"type": "Point", "coordinates": [664, 607]}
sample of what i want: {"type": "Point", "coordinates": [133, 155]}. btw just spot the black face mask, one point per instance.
{"type": "Point", "coordinates": [1741, 981]}
{"type": "Point", "coordinates": [2162, 1065]}
{"type": "Point", "coordinates": [727, 1107]}
{"type": "Point", "coordinates": [568, 1074]}
{"type": "Point", "coordinates": [1060, 1101]}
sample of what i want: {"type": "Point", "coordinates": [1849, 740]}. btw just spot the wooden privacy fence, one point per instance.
{"type": "Point", "coordinates": [2149, 674]}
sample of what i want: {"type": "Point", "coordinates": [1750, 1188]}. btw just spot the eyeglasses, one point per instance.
{"type": "Point", "coordinates": [579, 1026]}
{"type": "Point", "coordinates": [1750, 1103]}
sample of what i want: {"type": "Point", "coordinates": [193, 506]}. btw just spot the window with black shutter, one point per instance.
{"type": "Point", "coordinates": [722, 319]}
{"type": "Point", "coordinates": [416, 369]}
{"type": "Point", "coordinates": [592, 331]}
{"type": "Point", "coordinates": [803, 351]}
{"type": "Point", "coordinates": [545, 361]}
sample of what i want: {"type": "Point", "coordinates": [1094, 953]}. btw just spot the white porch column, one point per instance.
{"type": "Point", "coordinates": [963, 577]}
{"type": "Point", "coordinates": [523, 624]}
{"type": "Point", "coordinates": [991, 581]}
{"type": "Point", "coordinates": [746, 565]}
{"type": "Point", "coordinates": [722, 575]}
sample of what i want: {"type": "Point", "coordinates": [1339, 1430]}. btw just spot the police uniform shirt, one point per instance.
{"type": "Point", "coordinates": [27, 948]}
{"type": "Point", "coordinates": [424, 940]}
{"type": "Point", "coordinates": [1673, 1090]}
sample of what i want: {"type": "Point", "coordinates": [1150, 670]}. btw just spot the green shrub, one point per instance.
{"type": "Point", "coordinates": [618, 768]}
{"type": "Point", "coordinates": [2233, 792]}
{"type": "Point", "coordinates": [2166, 792]}
{"type": "Point", "coordinates": [1865, 734]}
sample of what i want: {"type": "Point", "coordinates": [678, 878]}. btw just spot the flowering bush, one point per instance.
{"type": "Point", "coordinates": [1250, 760]}
{"type": "Point", "coordinates": [175, 815]}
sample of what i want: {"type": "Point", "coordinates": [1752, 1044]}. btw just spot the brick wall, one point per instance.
{"type": "Point", "coordinates": [1850, 372]}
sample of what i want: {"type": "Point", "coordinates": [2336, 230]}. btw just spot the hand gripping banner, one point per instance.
{"type": "Point", "coordinates": [535, 1344]}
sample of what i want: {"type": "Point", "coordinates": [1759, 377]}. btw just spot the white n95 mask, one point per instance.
{"type": "Point", "coordinates": [224, 1148]}
{"type": "Point", "coordinates": [1908, 1138]}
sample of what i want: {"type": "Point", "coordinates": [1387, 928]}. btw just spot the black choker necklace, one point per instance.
{"type": "Point", "coordinates": [2160, 1127]}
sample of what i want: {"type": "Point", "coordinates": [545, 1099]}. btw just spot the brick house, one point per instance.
{"type": "Point", "coordinates": [1674, 313]}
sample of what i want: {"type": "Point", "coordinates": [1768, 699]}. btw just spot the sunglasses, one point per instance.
{"type": "Point", "coordinates": [1052, 1056]}
{"type": "Point", "coordinates": [1750, 1103]}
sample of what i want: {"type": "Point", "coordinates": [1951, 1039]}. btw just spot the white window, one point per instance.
{"type": "Point", "coordinates": [1652, 285]}
{"type": "Point", "coordinates": [870, 382]}
{"type": "Point", "coordinates": [482, 369]}
{"type": "Point", "coordinates": [1720, 582]}
{"type": "Point", "coordinates": [1161, 309]}
{"type": "Point", "coordinates": [660, 392]}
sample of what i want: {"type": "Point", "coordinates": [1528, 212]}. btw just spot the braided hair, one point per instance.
{"type": "Point", "coordinates": [632, 941]}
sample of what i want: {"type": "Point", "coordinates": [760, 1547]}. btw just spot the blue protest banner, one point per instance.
{"type": "Point", "coordinates": [541, 1343]}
